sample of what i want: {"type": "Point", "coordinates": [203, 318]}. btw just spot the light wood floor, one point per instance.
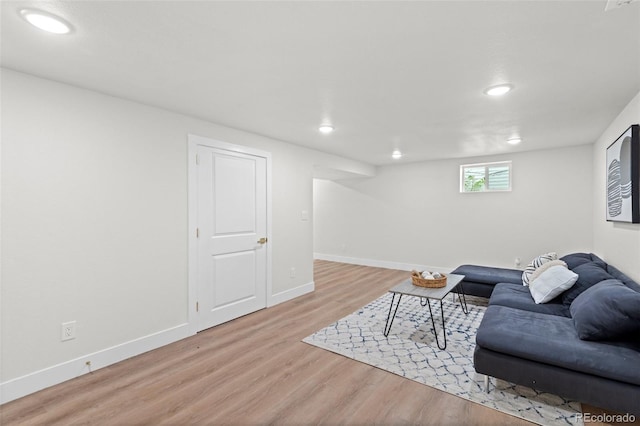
{"type": "Point", "coordinates": [256, 370]}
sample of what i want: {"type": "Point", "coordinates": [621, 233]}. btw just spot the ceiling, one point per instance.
{"type": "Point", "coordinates": [386, 74]}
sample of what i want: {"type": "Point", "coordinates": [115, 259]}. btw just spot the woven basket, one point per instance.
{"type": "Point", "coordinates": [416, 278]}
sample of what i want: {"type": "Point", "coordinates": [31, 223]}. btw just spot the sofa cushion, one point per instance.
{"type": "Point", "coordinates": [488, 274]}
{"type": "Point", "coordinates": [605, 311]}
{"type": "Point", "coordinates": [551, 283]}
{"type": "Point", "coordinates": [519, 297]}
{"type": "Point", "coordinates": [576, 259]}
{"type": "Point", "coordinates": [589, 274]}
{"type": "Point", "coordinates": [535, 264]}
{"type": "Point", "coordinates": [472, 288]}
{"type": "Point", "coordinates": [553, 340]}
{"type": "Point", "coordinates": [617, 274]}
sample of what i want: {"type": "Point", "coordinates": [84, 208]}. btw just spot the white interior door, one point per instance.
{"type": "Point", "coordinates": [232, 232]}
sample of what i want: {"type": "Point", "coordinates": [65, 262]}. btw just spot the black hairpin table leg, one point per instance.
{"type": "Point", "coordinates": [389, 323]}
{"type": "Point", "coordinates": [463, 299]}
{"type": "Point", "coordinates": [433, 323]}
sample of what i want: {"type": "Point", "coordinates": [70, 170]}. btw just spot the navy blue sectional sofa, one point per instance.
{"type": "Point", "coordinates": [583, 345]}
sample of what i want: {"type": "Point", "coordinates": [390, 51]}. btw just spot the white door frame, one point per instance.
{"type": "Point", "coordinates": [194, 141]}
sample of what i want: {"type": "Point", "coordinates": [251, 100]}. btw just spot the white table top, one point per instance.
{"type": "Point", "coordinates": [407, 287]}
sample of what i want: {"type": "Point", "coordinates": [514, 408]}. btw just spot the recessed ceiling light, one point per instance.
{"type": "Point", "coordinates": [325, 128]}
{"type": "Point", "coordinates": [498, 90]}
{"type": "Point", "coordinates": [396, 155]}
{"type": "Point", "coordinates": [46, 21]}
{"type": "Point", "coordinates": [514, 140]}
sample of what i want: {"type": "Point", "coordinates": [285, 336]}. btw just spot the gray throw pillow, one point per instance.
{"type": "Point", "coordinates": [589, 274]}
{"type": "Point", "coordinates": [606, 311]}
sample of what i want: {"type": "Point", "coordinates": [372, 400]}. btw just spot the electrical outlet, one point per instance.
{"type": "Point", "coordinates": [292, 273]}
{"type": "Point", "coordinates": [68, 330]}
{"type": "Point", "coordinates": [517, 262]}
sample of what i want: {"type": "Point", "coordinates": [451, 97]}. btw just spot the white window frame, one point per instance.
{"type": "Point", "coordinates": [486, 174]}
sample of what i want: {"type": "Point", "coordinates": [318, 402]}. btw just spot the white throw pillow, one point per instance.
{"type": "Point", "coordinates": [551, 283]}
{"type": "Point", "coordinates": [544, 267]}
{"type": "Point", "coordinates": [535, 264]}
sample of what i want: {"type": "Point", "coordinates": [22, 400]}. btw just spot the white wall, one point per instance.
{"type": "Point", "coordinates": [414, 214]}
{"type": "Point", "coordinates": [94, 226]}
{"type": "Point", "coordinates": [94, 221]}
{"type": "Point", "coordinates": [617, 243]}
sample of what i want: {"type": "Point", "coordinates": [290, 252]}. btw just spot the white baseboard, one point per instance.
{"type": "Point", "coordinates": [283, 296]}
{"type": "Point", "coordinates": [381, 263]}
{"type": "Point", "coordinates": [38, 380]}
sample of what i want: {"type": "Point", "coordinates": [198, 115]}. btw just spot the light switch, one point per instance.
{"type": "Point", "coordinates": [304, 215]}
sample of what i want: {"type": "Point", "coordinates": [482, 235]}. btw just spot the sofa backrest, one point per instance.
{"type": "Point", "coordinates": [591, 270]}
{"type": "Point", "coordinates": [576, 259]}
{"type": "Point", "coordinates": [616, 273]}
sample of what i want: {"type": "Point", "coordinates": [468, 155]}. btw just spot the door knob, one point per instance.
{"type": "Point", "coordinates": [262, 240]}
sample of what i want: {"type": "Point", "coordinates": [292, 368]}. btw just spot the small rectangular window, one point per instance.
{"type": "Point", "coordinates": [485, 177]}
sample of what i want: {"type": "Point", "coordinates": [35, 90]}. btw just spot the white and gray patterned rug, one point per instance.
{"type": "Point", "coordinates": [410, 351]}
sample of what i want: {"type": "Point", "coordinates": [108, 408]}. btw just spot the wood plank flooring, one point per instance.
{"type": "Point", "coordinates": [256, 370]}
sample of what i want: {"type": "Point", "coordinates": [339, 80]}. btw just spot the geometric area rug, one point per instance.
{"type": "Point", "coordinates": [410, 351]}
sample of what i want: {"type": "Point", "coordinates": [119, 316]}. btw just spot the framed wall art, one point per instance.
{"type": "Point", "coordinates": [623, 177]}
